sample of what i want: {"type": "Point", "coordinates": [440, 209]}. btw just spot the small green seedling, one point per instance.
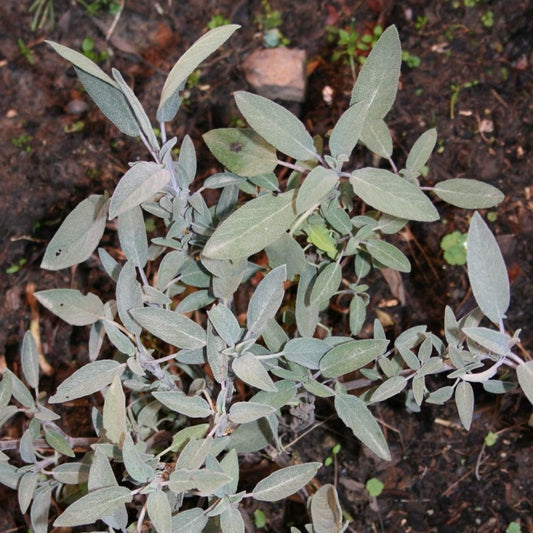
{"type": "Point", "coordinates": [260, 519]}
{"type": "Point", "coordinates": [13, 269]}
{"type": "Point", "coordinates": [334, 452]}
{"type": "Point", "coordinates": [26, 51]}
{"type": "Point", "coordinates": [23, 142]}
{"type": "Point", "coordinates": [216, 21]}
{"type": "Point", "coordinates": [487, 19]}
{"type": "Point", "coordinates": [491, 439]}
{"type": "Point", "coordinates": [374, 487]}
{"type": "Point", "coordinates": [513, 527]}
{"type": "Point", "coordinates": [269, 22]}
{"type": "Point", "coordinates": [454, 247]}
{"type": "Point", "coordinates": [88, 50]}
{"type": "Point", "coordinates": [456, 88]}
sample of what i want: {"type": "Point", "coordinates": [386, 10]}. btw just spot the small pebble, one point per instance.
{"type": "Point", "coordinates": [77, 107]}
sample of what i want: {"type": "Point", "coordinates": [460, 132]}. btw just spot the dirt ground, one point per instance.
{"type": "Point", "coordinates": [474, 83]}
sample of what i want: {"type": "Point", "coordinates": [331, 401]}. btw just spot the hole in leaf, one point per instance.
{"type": "Point", "coordinates": [235, 147]}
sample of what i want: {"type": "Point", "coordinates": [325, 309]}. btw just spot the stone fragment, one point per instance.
{"type": "Point", "coordinates": [277, 73]}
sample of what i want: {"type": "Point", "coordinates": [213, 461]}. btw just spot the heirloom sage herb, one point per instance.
{"type": "Point", "coordinates": [319, 233]}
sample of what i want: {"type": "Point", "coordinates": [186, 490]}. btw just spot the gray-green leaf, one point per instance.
{"type": "Point", "coordinates": [79, 234]}
{"type": "Point", "coordinates": [30, 360]}
{"type": "Point", "coordinates": [486, 271]}
{"type": "Point", "coordinates": [420, 152]}
{"type": "Point", "coordinates": [464, 399]}
{"type": "Point", "coordinates": [191, 406]}
{"type": "Point", "coordinates": [72, 306]}
{"type": "Point", "coordinates": [326, 284]}
{"type": "Point", "coordinates": [524, 373]}
{"type": "Point", "coordinates": [159, 511]}
{"type": "Point", "coordinates": [276, 125]}
{"type": "Point", "coordinates": [250, 370]}
{"type": "Point", "coordinates": [388, 255]}
{"type": "Point", "coordinates": [284, 482]}
{"type": "Point", "coordinates": [468, 193]}
{"type": "Point", "coordinates": [348, 129]}
{"type": "Point", "coordinates": [326, 511]}
{"type": "Point", "coordinates": [244, 412]}
{"type": "Point", "coordinates": [317, 185]}
{"type": "Point", "coordinates": [391, 194]}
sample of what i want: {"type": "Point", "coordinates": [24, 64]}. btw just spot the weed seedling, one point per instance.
{"type": "Point", "coordinates": [454, 247]}
{"type": "Point", "coordinates": [269, 22]}
{"type": "Point", "coordinates": [26, 51]}
{"type": "Point", "coordinates": [216, 21]}
{"type": "Point", "coordinates": [23, 142]}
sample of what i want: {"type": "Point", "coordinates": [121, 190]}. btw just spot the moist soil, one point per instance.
{"type": "Point", "coordinates": [474, 82]}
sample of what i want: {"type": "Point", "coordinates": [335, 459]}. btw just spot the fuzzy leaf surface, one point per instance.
{"type": "Point", "coordinates": [391, 194]}
{"type": "Point", "coordinates": [487, 271]}
{"type": "Point", "coordinates": [524, 373]}
{"type": "Point", "coordinates": [79, 234]}
{"type": "Point", "coordinates": [276, 125]}
{"type": "Point", "coordinates": [388, 255]}
{"type": "Point", "coordinates": [30, 360]}
{"type": "Point", "coordinates": [317, 185]}
{"type": "Point", "coordinates": [420, 152]}
{"type": "Point", "coordinates": [72, 306]}
{"type": "Point", "coordinates": [191, 406]}
{"type": "Point", "coordinates": [468, 193]}
{"type": "Point", "coordinates": [464, 399]}
{"type": "Point", "coordinates": [251, 228]}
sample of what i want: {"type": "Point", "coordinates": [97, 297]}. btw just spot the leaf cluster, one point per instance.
{"type": "Point", "coordinates": [193, 382]}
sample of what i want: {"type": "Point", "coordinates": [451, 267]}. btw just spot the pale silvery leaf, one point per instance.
{"type": "Point", "coordinates": [306, 312]}
{"type": "Point", "coordinates": [306, 351]}
{"type": "Point", "coordinates": [468, 193]}
{"type": "Point", "coordinates": [114, 415]}
{"type": "Point", "coordinates": [203, 481]}
{"type": "Point", "coordinates": [377, 83]}
{"type": "Point", "coordinates": [377, 138]}
{"type": "Point", "coordinates": [189, 521]}
{"type": "Point", "coordinates": [88, 379]}
{"type": "Point", "coordinates": [135, 465]}
{"type": "Point", "coordinates": [93, 506]}
{"type": "Point", "coordinates": [71, 473]}
{"type": "Point", "coordinates": [464, 399]}
{"type": "Point", "coordinates": [140, 184]}
{"type": "Point", "coordinates": [356, 415]}
{"type": "Point", "coordinates": [100, 472]}
{"type": "Point", "coordinates": [225, 323]}
{"type": "Point", "coordinates": [6, 389]}
{"type": "Point", "coordinates": [326, 511]}
{"type": "Point", "coordinates": [486, 271]}
{"type": "Point", "coordinates": [191, 406]}
{"type": "Point", "coordinates": [284, 482]}
{"type": "Point", "coordinates": [388, 255]}
{"type": "Point", "coordinates": [420, 152]}
{"type": "Point", "coordinates": [120, 341]}
{"type": "Point", "coordinates": [40, 508]}
{"type": "Point", "coordinates": [250, 370]}
{"type": "Point", "coordinates": [138, 110]}
{"type": "Point", "coordinates": [171, 327]}
{"type": "Point", "coordinates": [285, 393]}
{"type": "Point", "coordinates": [452, 330]}
{"type": "Point", "coordinates": [194, 301]}
{"type": "Point", "coordinates": [72, 306]}
{"type": "Point", "coordinates": [350, 356]}
{"type": "Point", "coordinates": [357, 314]}
{"type": "Point", "coordinates": [326, 284]}
{"type": "Point", "coordinates": [254, 226]}
{"type": "Point", "coordinates": [186, 163]}
{"type": "Point", "coordinates": [244, 412]}
{"type": "Point", "coordinates": [58, 442]}
{"type": "Point", "coordinates": [132, 236]}
{"type": "Point", "coordinates": [241, 151]}
{"type": "Point", "coordinates": [79, 234]}
{"type": "Point", "coordinates": [276, 125]}
{"type": "Point", "coordinates": [317, 185]}
{"type": "Point", "coordinates": [217, 359]}
{"type": "Point", "coordinates": [187, 63]}
{"type": "Point", "coordinates": [494, 341]}
{"type": "Point", "coordinates": [338, 218]}
{"type": "Point", "coordinates": [19, 391]}
{"type": "Point", "coordinates": [159, 511]}
{"type": "Point", "coordinates": [230, 465]}
{"type": "Point", "coordinates": [110, 264]}
{"type": "Point", "coordinates": [102, 89]}
{"type": "Point", "coordinates": [231, 521]}
{"type": "Point", "coordinates": [388, 389]}
{"type": "Point", "coordinates": [30, 361]}
{"type": "Point", "coordinates": [286, 251]}
{"type": "Point", "coordinates": [391, 194]}
{"type": "Point", "coordinates": [347, 131]}
{"type": "Point", "coordinates": [26, 487]}
{"type": "Point", "coordinates": [440, 396]}
{"type": "Point", "coordinates": [524, 373]}
{"type": "Point", "coordinates": [265, 301]}
{"type": "Point", "coordinates": [129, 296]}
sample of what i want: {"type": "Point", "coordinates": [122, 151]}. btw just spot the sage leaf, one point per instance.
{"type": "Point", "coordinates": [79, 234]}
{"type": "Point", "coordinates": [420, 152]}
{"type": "Point", "coordinates": [40, 509]}
{"type": "Point", "coordinates": [189, 521]}
{"type": "Point", "coordinates": [231, 521]}
{"type": "Point", "coordinates": [114, 413]}
{"type": "Point", "coordinates": [244, 412]}
{"type": "Point", "coordinates": [317, 185]}
{"type": "Point", "coordinates": [132, 236]}
{"type": "Point", "coordinates": [186, 64]}
{"type": "Point", "coordinates": [391, 194]}
{"type": "Point", "coordinates": [348, 129]}
{"type": "Point", "coordinates": [350, 356]}
{"type": "Point", "coordinates": [241, 151]}
{"type": "Point", "coordinates": [204, 481]}
{"type": "Point", "coordinates": [357, 314]}
{"type": "Point", "coordinates": [250, 370]}
{"type": "Point", "coordinates": [326, 284]}
{"type": "Point", "coordinates": [58, 442]}
{"type": "Point", "coordinates": [388, 389]}
{"type": "Point", "coordinates": [468, 193]}
{"type": "Point", "coordinates": [171, 327]}
{"type": "Point", "coordinates": [187, 163]}
{"type": "Point", "coordinates": [487, 271]}
{"type": "Point", "coordinates": [25, 490]}
{"type": "Point", "coordinates": [9, 475]}
{"type": "Point", "coordinates": [377, 137]}
{"type": "Point", "coordinates": [377, 82]}
{"type": "Point", "coordinates": [88, 379]}
{"type": "Point", "coordinates": [102, 89]}
{"type": "Point", "coordinates": [276, 125]}
{"type": "Point", "coordinates": [254, 226]}
{"type": "Point", "coordinates": [225, 323]}
{"type": "Point", "coordinates": [159, 511]}
{"type": "Point", "coordinates": [326, 511]}
{"type": "Point", "coordinates": [93, 506]}
{"type": "Point", "coordinates": [524, 373]}
{"type": "Point", "coordinates": [30, 361]}
{"type": "Point", "coordinates": [306, 351]}
{"type": "Point", "coordinates": [464, 399]}
{"type": "Point", "coordinates": [388, 255]}
{"type": "Point", "coordinates": [356, 415]}
{"type": "Point", "coordinates": [135, 465]}
{"type": "Point", "coordinates": [265, 301]}
{"type": "Point", "coordinates": [286, 251]}
{"type": "Point", "coordinates": [140, 184]}
{"type": "Point", "coordinates": [494, 341]}
{"type": "Point", "coordinates": [284, 482]}
{"type": "Point", "coordinates": [191, 406]}
{"type": "Point", "coordinates": [306, 312]}
{"type": "Point", "coordinates": [72, 306]}
{"type": "Point", "coordinates": [129, 296]}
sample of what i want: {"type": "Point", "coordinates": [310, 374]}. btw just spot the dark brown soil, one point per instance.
{"type": "Point", "coordinates": [431, 484]}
